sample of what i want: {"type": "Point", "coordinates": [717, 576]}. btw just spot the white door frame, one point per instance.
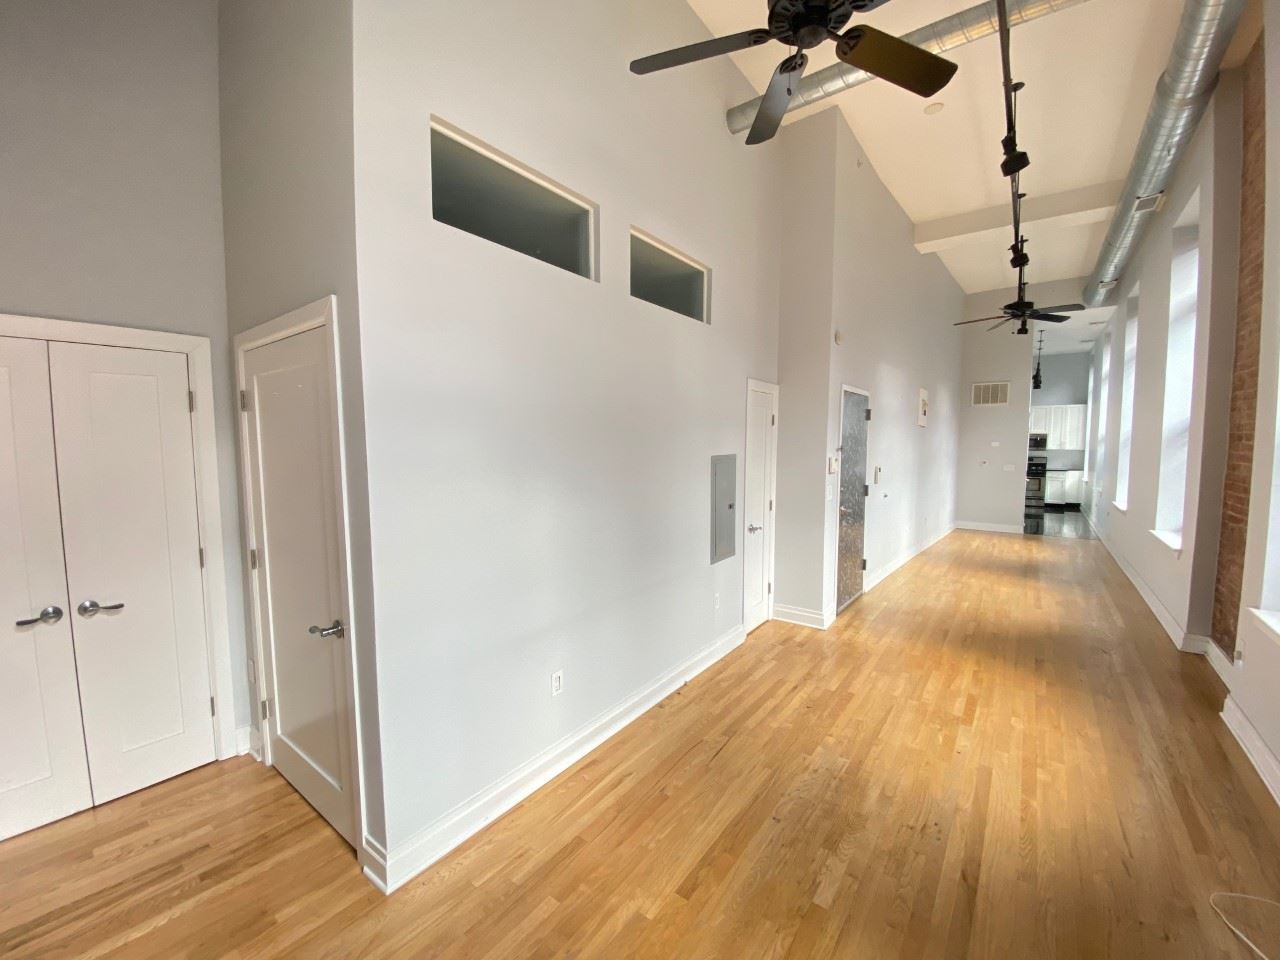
{"type": "Point", "coordinates": [322, 313]}
{"type": "Point", "coordinates": [845, 388]}
{"type": "Point", "coordinates": [208, 500]}
{"type": "Point", "coordinates": [762, 386]}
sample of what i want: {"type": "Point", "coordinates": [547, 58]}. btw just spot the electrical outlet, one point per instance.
{"type": "Point", "coordinates": [557, 683]}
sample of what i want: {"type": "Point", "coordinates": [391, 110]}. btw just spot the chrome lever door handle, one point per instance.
{"type": "Point", "coordinates": [90, 608]}
{"type": "Point", "coordinates": [754, 528]}
{"type": "Point", "coordinates": [50, 614]}
{"type": "Point", "coordinates": [337, 630]}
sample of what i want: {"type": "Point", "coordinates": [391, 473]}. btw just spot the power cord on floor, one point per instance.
{"type": "Point", "coordinates": [1213, 902]}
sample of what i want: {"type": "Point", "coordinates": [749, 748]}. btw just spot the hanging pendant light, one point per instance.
{"type": "Point", "coordinates": [1037, 381]}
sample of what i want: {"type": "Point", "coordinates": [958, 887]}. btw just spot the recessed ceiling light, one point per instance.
{"type": "Point", "coordinates": [935, 107]}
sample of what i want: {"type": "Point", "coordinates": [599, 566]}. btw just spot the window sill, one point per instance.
{"type": "Point", "coordinates": [1122, 509]}
{"type": "Point", "coordinates": [1171, 540]}
{"type": "Point", "coordinates": [1269, 621]}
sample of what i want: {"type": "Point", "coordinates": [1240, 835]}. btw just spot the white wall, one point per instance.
{"type": "Point", "coordinates": [539, 444]}
{"type": "Point", "coordinates": [112, 210]}
{"type": "Point", "coordinates": [991, 476]}
{"type": "Point", "coordinates": [856, 271]}
{"type": "Point", "coordinates": [895, 310]}
{"type": "Point", "coordinates": [1065, 377]}
{"type": "Point", "coordinates": [1255, 677]}
{"type": "Point", "coordinates": [1177, 582]}
{"type": "Point", "coordinates": [289, 200]}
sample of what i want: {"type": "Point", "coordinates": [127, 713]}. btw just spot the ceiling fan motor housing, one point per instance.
{"type": "Point", "coordinates": [807, 23]}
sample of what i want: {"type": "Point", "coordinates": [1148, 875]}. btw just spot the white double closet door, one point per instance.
{"type": "Point", "coordinates": [104, 671]}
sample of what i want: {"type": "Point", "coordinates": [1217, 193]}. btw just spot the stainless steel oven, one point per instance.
{"type": "Point", "coordinates": [1038, 441]}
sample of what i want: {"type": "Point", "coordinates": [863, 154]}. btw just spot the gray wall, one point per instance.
{"type": "Point", "coordinates": [857, 271]}
{"type": "Point", "coordinates": [1066, 379]}
{"type": "Point", "coordinates": [111, 209]}
{"type": "Point", "coordinates": [1179, 580]}
{"type": "Point", "coordinates": [895, 311]}
{"type": "Point", "coordinates": [539, 443]}
{"type": "Point", "coordinates": [287, 166]}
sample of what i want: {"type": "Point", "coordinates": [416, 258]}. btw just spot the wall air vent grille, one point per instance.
{"type": "Point", "coordinates": [991, 394]}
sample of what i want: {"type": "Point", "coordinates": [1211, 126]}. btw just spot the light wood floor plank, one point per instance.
{"type": "Point", "coordinates": [996, 754]}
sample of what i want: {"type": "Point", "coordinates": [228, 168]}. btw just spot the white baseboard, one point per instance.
{"type": "Point", "coordinates": [989, 527]}
{"type": "Point", "coordinates": [803, 616]}
{"type": "Point", "coordinates": [1187, 643]}
{"type": "Point", "coordinates": [389, 870]}
{"type": "Point", "coordinates": [874, 578]}
{"type": "Point", "coordinates": [1194, 643]}
{"type": "Point", "coordinates": [1222, 664]}
{"type": "Point", "coordinates": [1264, 761]}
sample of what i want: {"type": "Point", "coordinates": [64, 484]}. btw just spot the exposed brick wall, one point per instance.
{"type": "Point", "coordinates": [1244, 378]}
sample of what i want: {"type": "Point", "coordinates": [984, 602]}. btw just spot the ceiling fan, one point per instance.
{"type": "Point", "coordinates": [1023, 310]}
{"type": "Point", "coordinates": [803, 25]}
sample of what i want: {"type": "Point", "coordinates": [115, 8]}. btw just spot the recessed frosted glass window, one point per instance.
{"type": "Point", "coordinates": [1128, 374]}
{"type": "Point", "coordinates": [478, 190]}
{"type": "Point", "coordinates": [667, 278]}
{"type": "Point", "coordinates": [1179, 370]}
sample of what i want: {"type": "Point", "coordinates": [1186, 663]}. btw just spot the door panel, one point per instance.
{"type": "Point", "coordinates": [127, 477]}
{"type": "Point", "coordinates": [43, 773]}
{"type": "Point", "coordinates": [758, 514]}
{"type": "Point", "coordinates": [292, 463]}
{"type": "Point", "coordinates": [853, 500]}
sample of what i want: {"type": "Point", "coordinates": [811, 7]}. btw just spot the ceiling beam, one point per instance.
{"type": "Point", "coordinates": [1071, 208]}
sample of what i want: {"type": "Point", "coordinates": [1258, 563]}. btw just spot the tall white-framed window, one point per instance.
{"type": "Point", "coordinates": [1128, 373]}
{"type": "Point", "coordinates": [1091, 411]}
{"type": "Point", "coordinates": [1104, 408]}
{"type": "Point", "coordinates": [1179, 369]}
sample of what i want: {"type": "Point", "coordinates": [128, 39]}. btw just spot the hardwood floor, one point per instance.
{"type": "Point", "coordinates": [997, 753]}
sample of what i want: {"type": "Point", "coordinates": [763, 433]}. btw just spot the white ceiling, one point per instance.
{"type": "Point", "coordinates": [1090, 71]}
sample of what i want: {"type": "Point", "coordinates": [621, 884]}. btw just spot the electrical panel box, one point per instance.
{"type": "Point", "coordinates": [724, 487]}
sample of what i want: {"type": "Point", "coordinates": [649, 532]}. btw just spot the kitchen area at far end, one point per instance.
{"type": "Point", "coordinates": [1056, 443]}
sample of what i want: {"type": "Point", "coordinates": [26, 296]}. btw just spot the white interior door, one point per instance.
{"type": "Point", "coordinates": [293, 478]}
{"type": "Point", "coordinates": [126, 473]}
{"type": "Point", "coordinates": [43, 773]}
{"type": "Point", "coordinates": [757, 561]}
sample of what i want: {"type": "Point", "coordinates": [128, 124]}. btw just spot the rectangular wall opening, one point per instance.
{"type": "Point", "coordinates": [1128, 373]}
{"type": "Point", "coordinates": [663, 276]}
{"type": "Point", "coordinates": [485, 193]}
{"type": "Point", "coordinates": [1179, 375]}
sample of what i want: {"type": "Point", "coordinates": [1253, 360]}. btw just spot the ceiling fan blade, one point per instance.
{"type": "Point", "coordinates": [700, 51]}
{"type": "Point", "coordinates": [1063, 308]}
{"type": "Point", "coordinates": [998, 316]}
{"type": "Point", "coordinates": [1049, 317]}
{"type": "Point", "coordinates": [777, 98]}
{"type": "Point", "coordinates": [890, 58]}
{"type": "Point", "coordinates": [1000, 324]}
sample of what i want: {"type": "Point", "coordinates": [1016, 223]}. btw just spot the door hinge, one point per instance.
{"type": "Point", "coordinates": [773, 419]}
{"type": "Point", "coordinates": [868, 413]}
{"type": "Point", "coordinates": [244, 400]}
{"type": "Point", "coordinates": [864, 563]}
{"type": "Point", "coordinates": [866, 490]}
{"type": "Point", "coordinates": [771, 589]}
{"type": "Point", "coordinates": [253, 559]}
{"type": "Point", "coordinates": [266, 709]}
{"type": "Point", "coordinates": [202, 558]}
{"type": "Point", "coordinates": [213, 711]}
{"type": "Point", "coordinates": [191, 401]}
{"type": "Point", "coordinates": [770, 505]}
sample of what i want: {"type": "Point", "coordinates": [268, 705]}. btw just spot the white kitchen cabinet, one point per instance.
{"type": "Point", "coordinates": [1055, 488]}
{"type": "Point", "coordinates": [1074, 489]}
{"type": "Point", "coordinates": [1064, 424]}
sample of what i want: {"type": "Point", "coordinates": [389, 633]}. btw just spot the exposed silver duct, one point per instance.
{"type": "Point", "coordinates": [1181, 96]}
{"type": "Point", "coordinates": [946, 34]}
